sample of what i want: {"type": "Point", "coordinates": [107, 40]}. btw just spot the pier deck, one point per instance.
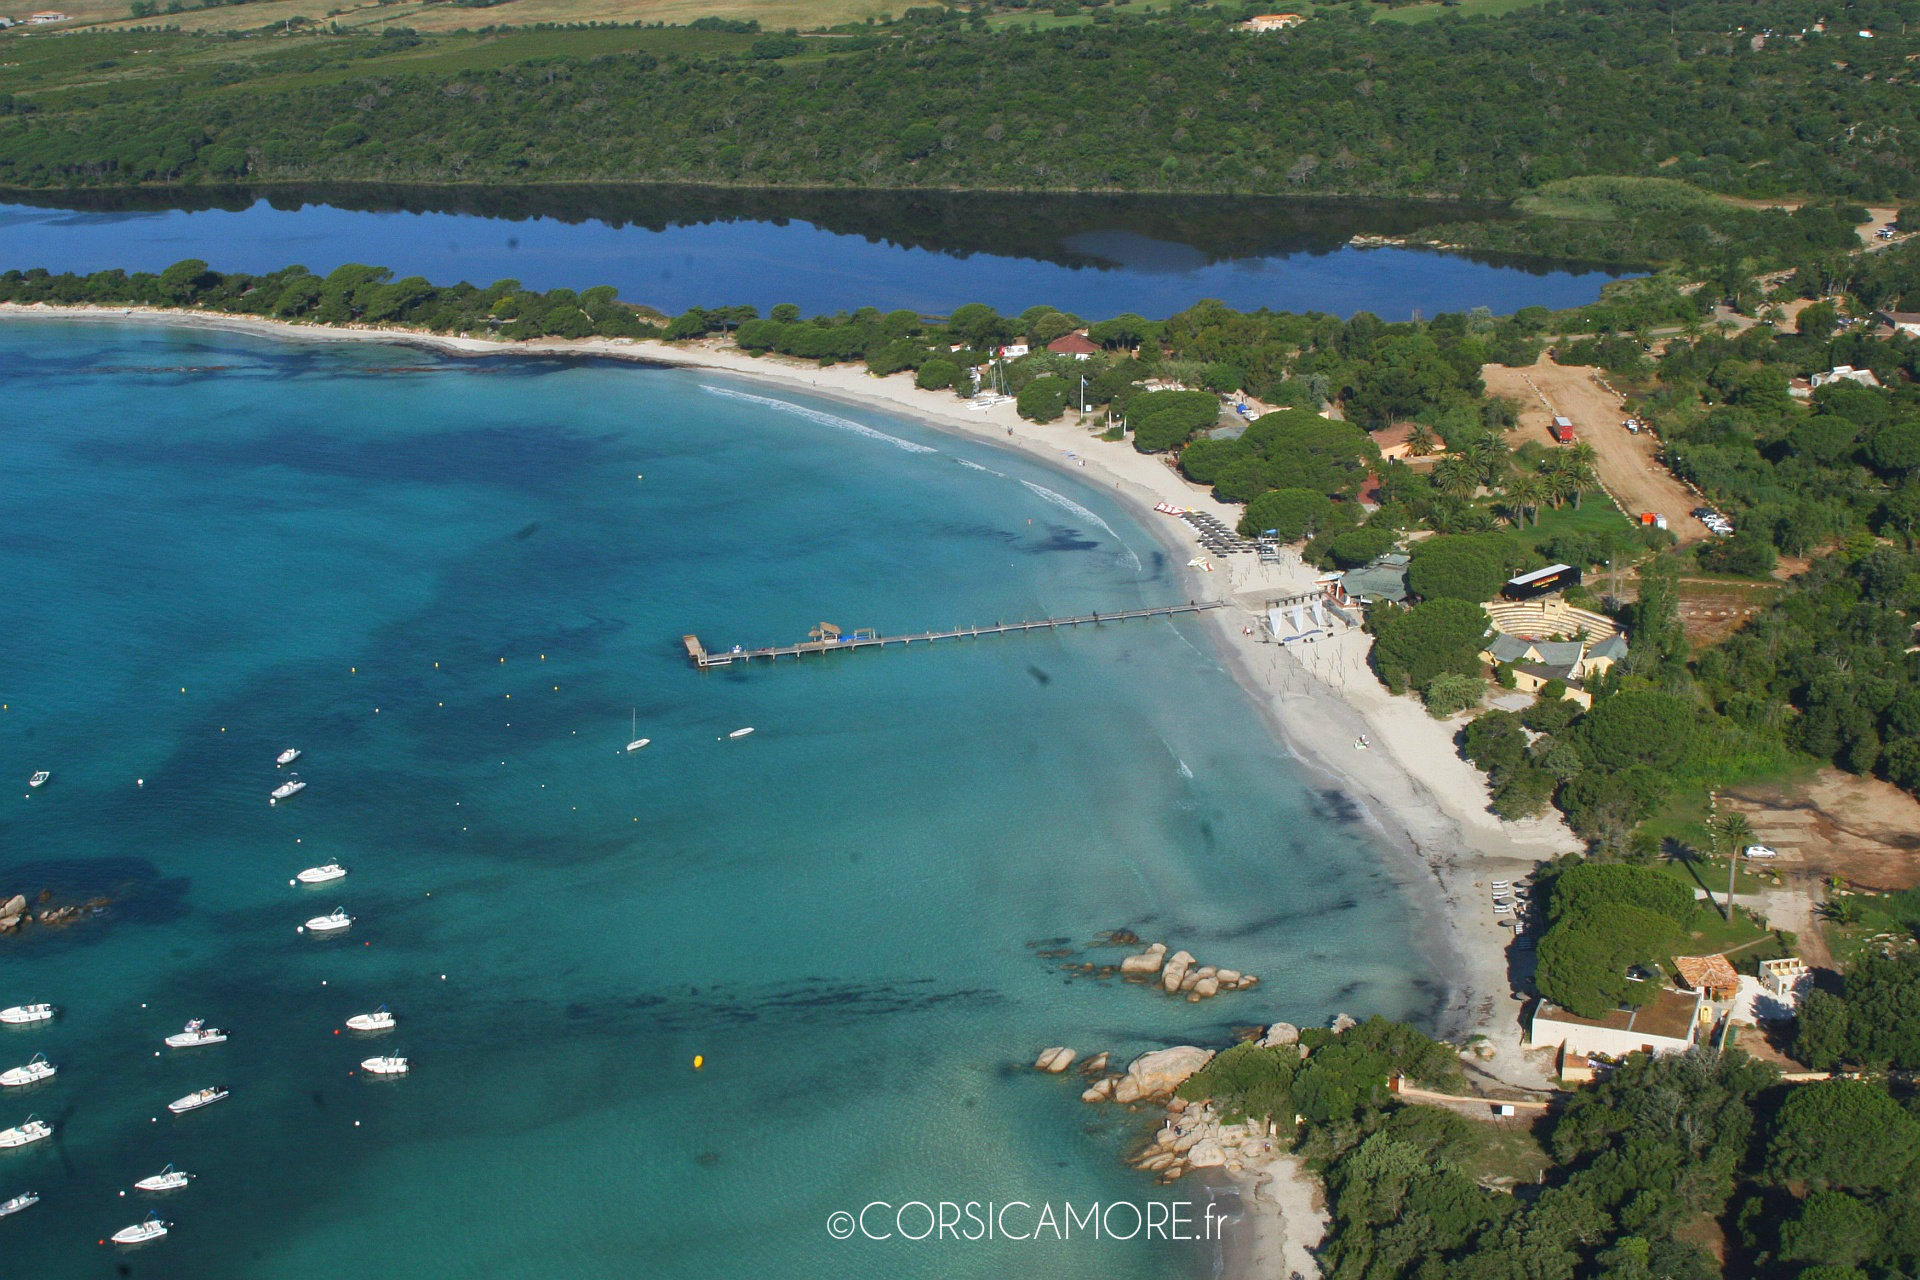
{"type": "Point", "coordinates": [704, 659]}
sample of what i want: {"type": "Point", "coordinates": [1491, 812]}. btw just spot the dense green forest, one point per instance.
{"type": "Point", "coordinates": [1638, 1178]}
{"type": "Point", "coordinates": [1175, 101]}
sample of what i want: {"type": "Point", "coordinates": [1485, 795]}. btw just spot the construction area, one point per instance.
{"type": "Point", "coordinates": [1627, 462]}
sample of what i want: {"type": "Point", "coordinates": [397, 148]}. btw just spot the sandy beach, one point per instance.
{"type": "Point", "coordinates": [1319, 698]}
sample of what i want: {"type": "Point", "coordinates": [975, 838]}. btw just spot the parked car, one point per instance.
{"type": "Point", "coordinates": [1761, 851]}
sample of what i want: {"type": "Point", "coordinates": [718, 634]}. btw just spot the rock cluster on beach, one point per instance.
{"type": "Point", "coordinates": [1195, 1137]}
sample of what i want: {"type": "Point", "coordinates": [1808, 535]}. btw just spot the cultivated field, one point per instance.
{"type": "Point", "coordinates": [773, 15]}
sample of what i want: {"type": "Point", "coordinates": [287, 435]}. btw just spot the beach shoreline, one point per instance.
{"type": "Point", "coordinates": [1317, 700]}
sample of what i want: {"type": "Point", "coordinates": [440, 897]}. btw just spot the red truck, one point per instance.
{"type": "Point", "coordinates": [1562, 430]}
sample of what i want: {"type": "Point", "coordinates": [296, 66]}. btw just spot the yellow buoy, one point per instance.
{"type": "Point", "coordinates": [698, 1062]}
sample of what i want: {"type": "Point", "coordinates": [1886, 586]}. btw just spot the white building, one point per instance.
{"type": "Point", "coordinates": [1667, 1025]}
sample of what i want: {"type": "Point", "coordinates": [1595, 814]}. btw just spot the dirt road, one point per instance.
{"type": "Point", "coordinates": [1624, 460]}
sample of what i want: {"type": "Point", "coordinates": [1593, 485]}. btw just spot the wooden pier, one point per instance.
{"type": "Point", "coordinates": [832, 641]}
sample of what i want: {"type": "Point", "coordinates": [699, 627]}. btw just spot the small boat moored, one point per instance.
{"type": "Point", "coordinates": [286, 757]}
{"type": "Point", "coordinates": [634, 740]}
{"type": "Point", "coordinates": [380, 1019]}
{"type": "Point", "coordinates": [197, 1099]}
{"type": "Point", "coordinates": [291, 787]}
{"type": "Point", "coordinates": [197, 1033]}
{"type": "Point", "coordinates": [25, 1200]}
{"type": "Point", "coordinates": [168, 1179]}
{"type": "Point", "coordinates": [36, 1070]}
{"type": "Point", "coordinates": [32, 1129]}
{"type": "Point", "coordinates": [385, 1066]}
{"type": "Point", "coordinates": [23, 1013]}
{"type": "Point", "coordinates": [39, 779]}
{"type": "Point", "coordinates": [741, 733]}
{"type": "Point", "coordinates": [333, 922]}
{"type": "Point", "coordinates": [321, 874]}
{"type": "Point", "coordinates": [141, 1232]}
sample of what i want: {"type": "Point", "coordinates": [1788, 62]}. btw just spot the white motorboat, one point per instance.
{"type": "Point", "coordinates": [380, 1019]}
{"type": "Point", "coordinates": [25, 1200]}
{"type": "Point", "coordinates": [197, 1033]}
{"type": "Point", "coordinates": [333, 922]}
{"type": "Point", "coordinates": [36, 1070]}
{"type": "Point", "coordinates": [387, 1066]}
{"type": "Point", "coordinates": [23, 1013]}
{"type": "Point", "coordinates": [634, 740]}
{"type": "Point", "coordinates": [39, 779]}
{"type": "Point", "coordinates": [197, 1099]}
{"type": "Point", "coordinates": [168, 1179]}
{"type": "Point", "coordinates": [741, 733]}
{"type": "Point", "coordinates": [141, 1232]}
{"type": "Point", "coordinates": [32, 1129]}
{"type": "Point", "coordinates": [292, 786]}
{"type": "Point", "coordinates": [286, 757]}
{"type": "Point", "coordinates": [322, 874]}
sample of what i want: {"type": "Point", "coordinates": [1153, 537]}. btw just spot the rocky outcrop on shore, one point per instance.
{"type": "Point", "coordinates": [1196, 1137]}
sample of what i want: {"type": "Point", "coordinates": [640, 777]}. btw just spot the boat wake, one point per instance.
{"type": "Point", "coordinates": [974, 466]}
{"type": "Point", "coordinates": [824, 419]}
{"type": "Point", "coordinates": [1065, 503]}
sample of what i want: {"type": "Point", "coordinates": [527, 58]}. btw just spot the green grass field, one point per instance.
{"type": "Point", "coordinates": [1418, 13]}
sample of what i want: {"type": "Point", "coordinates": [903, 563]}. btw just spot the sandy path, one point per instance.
{"type": "Point", "coordinates": [1627, 463]}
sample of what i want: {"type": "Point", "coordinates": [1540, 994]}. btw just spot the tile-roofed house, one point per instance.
{"type": "Point", "coordinates": [1712, 976]}
{"type": "Point", "coordinates": [1072, 344]}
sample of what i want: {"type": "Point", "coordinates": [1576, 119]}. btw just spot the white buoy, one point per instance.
{"type": "Point", "coordinates": [292, 882]}
{"type": "Point", "coordinates": [299, 928]}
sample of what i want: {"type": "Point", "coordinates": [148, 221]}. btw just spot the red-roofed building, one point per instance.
{"type": "Point", "coordinates": [1072, 344]}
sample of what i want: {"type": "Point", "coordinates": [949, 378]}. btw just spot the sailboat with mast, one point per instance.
{"type": "Point", "coordinates": [634, 740]}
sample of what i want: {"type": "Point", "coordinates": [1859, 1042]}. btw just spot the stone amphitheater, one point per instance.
{"type": "Point", "coordinates": [1549, 616]}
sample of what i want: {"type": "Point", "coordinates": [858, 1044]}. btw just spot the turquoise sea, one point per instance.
{"type": "Point", "coordinates": [447, 582]}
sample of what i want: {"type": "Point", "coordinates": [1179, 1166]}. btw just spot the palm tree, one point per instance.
{"type": "Point", "coordinates": [1420, 440]}
{"type": "Point", "coordinates": [1556, 481]}
{"type": "Point", "coordinates": [1489, 457]}
{"type": "Point", "coordinates": [1525, 493]}
{"type": "Point", "coordinates": [1457, 476]}
{"type": "Point", "coordinates": [1731, 832]}
{"type": "Point", "coordinates": [1580, 468]}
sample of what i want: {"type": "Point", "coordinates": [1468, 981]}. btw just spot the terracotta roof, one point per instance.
{"type": "Point", "coordinates": [1072, 344]}
{"type": "Point", "coordinates": [1703, 973]}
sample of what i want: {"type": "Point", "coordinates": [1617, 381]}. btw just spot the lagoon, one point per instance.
{"type": "Point", "coordinates": [675, 248]}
